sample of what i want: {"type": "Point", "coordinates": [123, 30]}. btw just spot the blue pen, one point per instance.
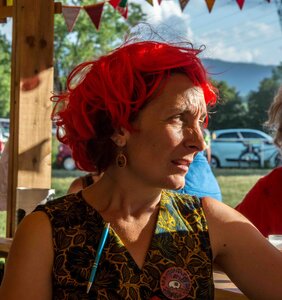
{"type": "Point", "coordinates": [98, 255]}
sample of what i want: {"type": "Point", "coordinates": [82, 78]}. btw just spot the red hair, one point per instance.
{"type": "Point", "coordinates": [107, 94]}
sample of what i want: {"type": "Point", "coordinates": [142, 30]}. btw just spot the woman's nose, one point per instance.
{"type": "Point", "coordinates": [196, 140]}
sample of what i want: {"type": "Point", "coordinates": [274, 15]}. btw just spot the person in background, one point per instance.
{"type": "Point", "coordinates": [200, 180]}
{"type": "Point", "coordinates": [207, 138]}
{"type": "Point", "coordinates": [263, 203]}
{"type": "Point", "coordinates": [83, 182]}
{"type": "Point", "coordinates": [4, 164]}
{"type": "Point", "coordinates": [136, 115]}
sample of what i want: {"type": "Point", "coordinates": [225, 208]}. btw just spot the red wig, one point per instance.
{"type": "Point", "coordinates": [107, 94]}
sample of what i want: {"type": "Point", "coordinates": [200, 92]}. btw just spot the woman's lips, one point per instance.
{"type": "Point", "coordinates": [182, 164]}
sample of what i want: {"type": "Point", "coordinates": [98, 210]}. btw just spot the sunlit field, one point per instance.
{"type": "Point", "coordinates": [234, 183]}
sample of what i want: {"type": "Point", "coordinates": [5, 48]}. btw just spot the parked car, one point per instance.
{"type": "Point", "coordinates": [5, 128]}
{"type": "Point", "coordinates": [232, 147]}
{"type": "Point", "coordinates": [2, 143]}
{"type": "Point", "coordinates": [64, 158]}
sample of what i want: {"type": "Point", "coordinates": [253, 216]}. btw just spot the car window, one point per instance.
{"type": "Point", "coordinates": [228, 135]}
{"type": "Point", "coordinates": [252, 135]}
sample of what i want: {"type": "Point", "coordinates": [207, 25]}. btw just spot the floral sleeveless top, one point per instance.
{"type": "Point", "coordinates": [178, 264]}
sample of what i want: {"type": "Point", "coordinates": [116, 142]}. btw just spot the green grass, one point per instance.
{"type": "Point", "coordinates": [62, 179]}
{"type": "Point", "coordinates": [234, 183]}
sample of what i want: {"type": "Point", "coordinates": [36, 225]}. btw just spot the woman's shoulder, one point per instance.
{"type": "Point", "coordinates": [267, 185]}
{"type": "Point", "coordinates": [64, 207]}
{"type": "Point", "coordinates": [181, 198]}
{"type": "Point", "coordinates": [186, 205]}
{"type": "Point", "coordinates": [274, 176]}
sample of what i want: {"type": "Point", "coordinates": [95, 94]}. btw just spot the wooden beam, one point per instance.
{"type": "Point", "coordinates": [31, 86]}
{"type": "Point", "coordinates": [6, 11]}
{"type": "Point", "coordinates": [2, 15]}
{"type": "Point", "coordinates": [58, 8]}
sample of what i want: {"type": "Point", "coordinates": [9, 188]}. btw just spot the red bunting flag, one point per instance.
{"type": "Point", "coordinates": [159, 1]}
{"type": "Point", "coordinates": [70, 14]}
{"type": "Point", "coordinates": [94, 11]}
{"type": "Point", "coordinates": [240, 3]}
{"type": "Point", "coordinates": [114, 3]}
{"type": "Point", "coordinates": [210, 4]}
{"type": "Point", "coordinates": [122, 8]}
{"type": "Point", "coordinates": [183, 4]}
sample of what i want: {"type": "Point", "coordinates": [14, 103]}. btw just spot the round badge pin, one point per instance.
{"type": "Point", "coordinates": [175, 283]}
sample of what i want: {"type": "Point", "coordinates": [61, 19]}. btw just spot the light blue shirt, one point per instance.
{"type": "Point", "coordinates": [200, 180]}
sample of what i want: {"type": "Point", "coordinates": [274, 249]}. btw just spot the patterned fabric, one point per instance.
{"type": "Point", "coordinates": [178, 264]}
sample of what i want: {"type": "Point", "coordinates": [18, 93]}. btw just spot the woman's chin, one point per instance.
{"type": "Point", "coordinates": [176, 185]}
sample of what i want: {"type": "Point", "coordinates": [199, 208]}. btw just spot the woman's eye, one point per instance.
{"type": "Point", "coordinates": [176, 118]}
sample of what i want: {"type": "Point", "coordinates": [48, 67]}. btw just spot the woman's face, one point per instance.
{"type": "Point", "coordinates": [169, 134]}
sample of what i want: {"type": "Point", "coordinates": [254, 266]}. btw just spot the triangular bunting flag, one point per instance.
{"type": "Point", "coordinates": [240, 3]}
{"type": "Point", "coordinates": [94, 11]}
{"type": "Point", "coordinates": [122, 8]}
{"type": "Point", "coordinates": [150, 2]}
{"type": "Point", "coordinates": [183, 4]}
{"type": "Point", "coordinates": [114, 3]}
{"type": "Point", "coordinates": [210, 4]}
{"type": "Point", "coordinates": [70, 14]}
{"type": "Point", "coordinates": [159, 1]}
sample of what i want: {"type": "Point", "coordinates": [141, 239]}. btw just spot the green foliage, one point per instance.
{"type": "Point", "coordinates": [259, 101]}
{"type": "Point", "coordinates": [5, 75]}
{"type": "Point", "coordinates": [229, 112]}
{"type": "Point", "coordinates": [3, 216]}
{"type": "Point", "coordinates": [85, 42]}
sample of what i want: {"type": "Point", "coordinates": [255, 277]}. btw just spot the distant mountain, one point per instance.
{"type": "Point", "coordinates": [245, 77]}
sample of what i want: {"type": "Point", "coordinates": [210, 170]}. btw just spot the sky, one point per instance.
{"type": "Point", "coordinates": [252, 35]}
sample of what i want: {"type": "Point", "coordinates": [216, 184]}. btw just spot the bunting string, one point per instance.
{"type": "Point", "coordinates": [95, 11]}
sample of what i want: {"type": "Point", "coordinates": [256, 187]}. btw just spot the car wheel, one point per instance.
{"type": "Point", "coordinates": [69, 164]}
{"type": "Point", "coordinates": [214, 162]}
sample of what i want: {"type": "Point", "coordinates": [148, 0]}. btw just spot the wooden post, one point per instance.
{"type": "Point", "coordinates": [2, 7]}
{"type": "Point", "coordinates": [31, 86]}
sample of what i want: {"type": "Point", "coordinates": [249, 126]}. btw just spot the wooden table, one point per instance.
{"type": "Point", "coordinates": [5, 244]}
{"type": "Point", "coordinates": [225, 289]}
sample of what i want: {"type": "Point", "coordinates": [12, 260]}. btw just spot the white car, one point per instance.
{"type": "Point", "coordinates": [240, 147]}
{"type": "Point", "coordinates": [5, 127]}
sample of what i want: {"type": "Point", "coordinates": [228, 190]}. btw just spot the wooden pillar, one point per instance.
{"type": "Point", "coordinates": [31, 86]}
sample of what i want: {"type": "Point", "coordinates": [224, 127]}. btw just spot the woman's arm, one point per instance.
{"type": "Point", "coordinates": [241, 251]}
{"type": "Point", "coordinates": [28, 270]}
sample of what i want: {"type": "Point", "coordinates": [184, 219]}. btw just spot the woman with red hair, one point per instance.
{"type": "Point", "coordinates": [137, 115]}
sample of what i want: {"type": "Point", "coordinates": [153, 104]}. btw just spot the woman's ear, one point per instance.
{"type": "Point", "coordinates": [120, 137]}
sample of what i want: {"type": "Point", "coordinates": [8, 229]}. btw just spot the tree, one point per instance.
{"type": "Point", "coordinates": [259, 101]}
{"type": "Point", "coordinates": [85, 42]}
{"type": "Point", "coordinates": [5, 75]}
{"type": "Point", "coordinates": [229, 112]}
